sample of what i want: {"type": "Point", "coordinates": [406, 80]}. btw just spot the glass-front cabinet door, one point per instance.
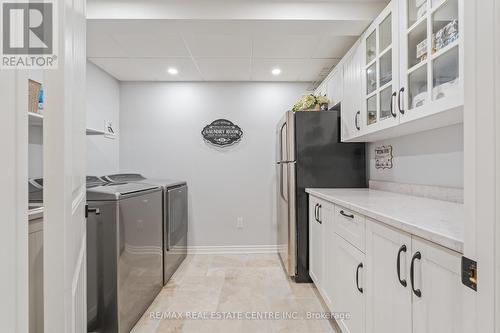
{"type": "Point", "coordinates": [431, 60]}
{"type": "Point", "coordinates": [381, 70]}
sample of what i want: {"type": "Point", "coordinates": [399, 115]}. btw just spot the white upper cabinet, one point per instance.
{"type": "Point", "coordinates": [431, 58]}
{"type": "Point", "coordinates": [335, 88]}
{"type": "Point", "coordinates": [352, 115]}
{"type": "Point", "coordinates": [381, 70]}
{"type": "Point", "coordinates": [405, 73]}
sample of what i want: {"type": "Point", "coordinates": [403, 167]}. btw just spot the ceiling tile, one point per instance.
{"type": "Point", "coordinates": [224, 69]}
{"type": "Point", "coordinates": [219, 45]}
{"type": "Point", "coordinates": [152, 44]}
{"type": "Point", "coordinates": [148, 69]}
{"type": "Point", "coordinates": [101, 44]}
{"type": "Point", "coordinates": [291, 69]}
{"type": "Point", "coordinates": [317, 69]}
{"type": "Point", "coordinates": [333, 46]}
{"type": "Point", "coordinates": [284, 46]}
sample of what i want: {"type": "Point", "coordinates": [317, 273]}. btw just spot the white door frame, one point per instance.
{"type": "Point", "coordinates": [497, 151]}
{"type": "Point", "coordinates": [14, 202]}
{"type": "Point", "coordinates": [482, 161]}
{"type": "Point", "coordinates": [65, 308]}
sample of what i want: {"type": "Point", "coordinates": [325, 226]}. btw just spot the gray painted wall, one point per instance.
{"type": "Point", "coordinates": [433, 157]}
{"type": "Point", "coordinates": [103, 103]}
{"type": "Point", "coordinates": [160, 127]}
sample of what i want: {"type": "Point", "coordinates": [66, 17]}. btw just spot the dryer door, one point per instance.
{"type": "Point", "coordinates": [176, 229]}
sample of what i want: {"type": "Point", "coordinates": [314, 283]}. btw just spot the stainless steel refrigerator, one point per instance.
{"type": "Point", "coordinates": [310, 155]}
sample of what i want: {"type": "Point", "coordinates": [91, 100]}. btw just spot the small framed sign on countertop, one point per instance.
{"type": "Point", "coordinates": [222, 133]}
{"type": "Point", "coordinates": [383, 157]}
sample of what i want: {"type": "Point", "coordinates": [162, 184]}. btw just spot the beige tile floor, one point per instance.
{"type": "Point", "coordinates": [234, 285]}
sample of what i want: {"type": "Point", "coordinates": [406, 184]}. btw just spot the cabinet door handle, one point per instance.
{"type": "Point", "coordinates": [316, 212]}
{"type": "Point", "coordinates": [88, 210]}
{"type": "Point", "coordinates": [394, 114]}
{"type": "Point", "coordinates": [356, 120]}
{"type": "Point", "coordinates": [357, 277]}
{"type": "Point", "coordinates": [401, 92]}
{"type": "Point", "coordinates": [398, 265]}
{"type": "Point", "coordinates": [416, 256]}
{"type": "Point", "coordinates": [319, 216]}
{"type": "Point", "coordinates": [346, 215]}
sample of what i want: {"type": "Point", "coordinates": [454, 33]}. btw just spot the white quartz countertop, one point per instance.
{"type": "Point", "coordinates": [437, 221]}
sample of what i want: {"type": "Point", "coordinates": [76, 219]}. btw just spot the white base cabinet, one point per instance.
{"type": "Point", "coordinates": [438, 277]}
{"type": "Point", "coordinates": [388, 297]}
{"type": "Point", "coordinates": [348, 285]}
{"type": "Point", "coordinates": [316, 234]}
{"type": "Point", "coordinates": [391, 283]}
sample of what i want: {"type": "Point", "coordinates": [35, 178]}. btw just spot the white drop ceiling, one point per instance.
{"type": "Point", "coordinates": [243, 41]}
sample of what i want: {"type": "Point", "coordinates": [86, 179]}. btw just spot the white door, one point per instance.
{"type": "Point", "coordinates": [315, 242]}
{"type": "Point", "coordinates": [388, 291]}
{"type": "Point", "coordinates": [349, 286]}
{"type": "Point", "coordinates": [437, 299]}
{"type": "Point", "coordinates": [64, 165]}
{"type": "Point", "coordinates": [14, 202]}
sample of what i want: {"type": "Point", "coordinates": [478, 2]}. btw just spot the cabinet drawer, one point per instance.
{"type": "Point", "coordinates": [350, 226]}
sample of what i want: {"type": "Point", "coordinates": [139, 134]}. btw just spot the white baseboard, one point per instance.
{"type": "Point", "coordinates": [252, 249]}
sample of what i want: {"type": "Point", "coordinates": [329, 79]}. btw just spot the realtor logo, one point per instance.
{"type": "Point", "coordinates": [29, 37]}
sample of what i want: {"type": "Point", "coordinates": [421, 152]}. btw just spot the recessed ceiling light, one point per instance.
{"type": "Point", "coordinates": [172, 71]}
{"type": "Point", "coordinates": [276, 71]}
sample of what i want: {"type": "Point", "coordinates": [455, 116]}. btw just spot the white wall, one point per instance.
{"type": "Point", "coordinates": [103, 104]}
{"type": "Point", "coordinates": [433, 157]}
{"type": "Point", "coordinates": [160, 136]}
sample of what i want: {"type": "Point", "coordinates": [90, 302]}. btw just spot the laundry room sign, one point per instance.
{"type": "Point", "coordinates": [222, 132]}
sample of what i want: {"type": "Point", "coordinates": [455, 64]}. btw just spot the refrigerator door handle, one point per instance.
{"type": "Point", "coordinates": [281, 182]}
{"type": "Point", "coordinates": [281, 140]}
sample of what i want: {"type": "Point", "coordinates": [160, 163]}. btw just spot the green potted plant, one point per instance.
{"type": "Point", "coordinates": [311, 103]}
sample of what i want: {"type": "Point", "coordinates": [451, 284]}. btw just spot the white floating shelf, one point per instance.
{"type": "Point", "coordinates": [91, 131]}
{"type": "Point", "coordinates": [35, 119]}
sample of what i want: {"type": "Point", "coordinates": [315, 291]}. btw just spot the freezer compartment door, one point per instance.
{"type": "Point", "coordinates": [175, 231]}
{"type": "Point", "coordinates": [285, 138]}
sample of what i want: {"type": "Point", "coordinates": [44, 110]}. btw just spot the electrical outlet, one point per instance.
{"type": "Point", "coordinates": [239, 223]}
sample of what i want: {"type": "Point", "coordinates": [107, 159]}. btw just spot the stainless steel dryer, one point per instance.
{"type": "Point", "coordinates": [175, 218]}
{"type": "Point", "coordinates": [124, 253]}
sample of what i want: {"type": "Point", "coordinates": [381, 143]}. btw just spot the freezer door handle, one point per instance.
{"type": "Point", "coordinates": [281, 182]}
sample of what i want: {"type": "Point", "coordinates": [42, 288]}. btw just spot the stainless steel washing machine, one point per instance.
{"type": "Point", "coordinates": [124, 253]}
{"type": "Point", "coordinates": [175, 218]}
